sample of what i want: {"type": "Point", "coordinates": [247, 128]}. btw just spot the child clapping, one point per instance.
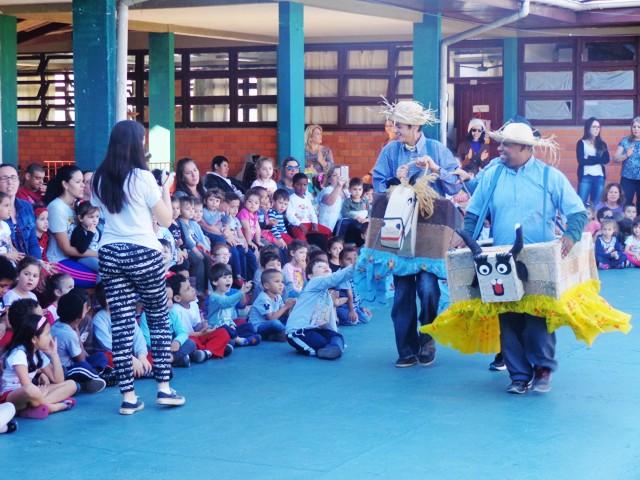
{"type": "Point", "coordinates": [269, 312]}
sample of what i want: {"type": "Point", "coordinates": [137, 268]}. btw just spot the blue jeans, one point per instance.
{"type": "Point", "coordinates": [404, 312]}
{"type": "Point", "coordinates": [590, 187]}
{"type": "Point", "coordinates": [343, 315]}
{"type": "Point", "coordinates": [631, 189]}
{"type": "Point", "coordinates": [526, 343]}
{"type": "Point", "coordinates": [270, 327]}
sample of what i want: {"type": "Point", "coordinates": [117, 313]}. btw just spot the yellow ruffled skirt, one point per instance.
{"type": "Point", "coordinates": [472, 326]}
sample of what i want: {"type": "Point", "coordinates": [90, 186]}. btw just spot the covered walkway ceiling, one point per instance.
{"type": "Point", "coordinates": [330, 21]}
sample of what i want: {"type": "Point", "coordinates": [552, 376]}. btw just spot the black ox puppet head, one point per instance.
{"type": "Point", "coordinates": [499, 276]}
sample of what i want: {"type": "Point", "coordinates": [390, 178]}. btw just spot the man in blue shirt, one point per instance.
{"type": "Point", "coordinates": [528, 192]}
{"type": "Point", "coordinates": [413, 153]}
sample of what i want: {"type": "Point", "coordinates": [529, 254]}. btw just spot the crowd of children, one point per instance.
{"type": "Point", "coordinates": [239, 271]}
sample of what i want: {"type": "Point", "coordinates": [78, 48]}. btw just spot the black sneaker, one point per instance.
{"type": "Point", "coordinates": [171, 399]}
{"type": "Point", "coordinates": [498, 363]}
{"type": "Point", "coordinates": [541, 380]}
{"type": "Point", "coordinates": [94, 385]}
{"type": "Point", "coordinates": [228, 349]}
{"type": "Point", "coordinates": [407, 362]}
{"type": "Point", "coordinates": [330, 352]}
{"type": "Point", "coordinates": [128, 408]}
{"type": "Point", "coordinates": [198, 356]}
{"type": "Point", "coordinates": [427, 355]}
{"type": "Point", "coordinates": [519, 386]}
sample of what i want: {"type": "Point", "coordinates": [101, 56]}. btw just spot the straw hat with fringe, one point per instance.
{"type": "Point", "coordinates": [523, 134]}
{"type": "Point", "coordinates": [408, 113]}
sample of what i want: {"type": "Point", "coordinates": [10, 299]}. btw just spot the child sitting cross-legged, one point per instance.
{"type": "Point", "coordinates": [222, 307]}
{"type": "Point", "coordinates": [183, 349]}
{"type": "Point", "coordinates": [351, 313]}
{"type": "Point", "coordinates": [270, 311]}
{"type": "Point", "coordinates": [104, 337]}
{"type": "Point", "coordinates": [270, 259]}
{"type": "Point", "coordinates": [79, 365]}
{"type": "Point", "coordinates": [213, 341]}
{"type": "Point", "coordinates": [609, 252]}
{"type": "Point", "coordinates": [312, 327]}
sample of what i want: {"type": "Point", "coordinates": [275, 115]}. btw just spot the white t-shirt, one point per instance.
{"type": "Point", "coordinates": [18, 356]}
{"type": "Point", "coordinates": [593, 170]}
{"type": "Point", "coordinates": [62, 218]}
{"type": "Point", "coordinates": [11, 296]}
{"type": "Point", "coordinates": [190, 317]}
{"type": "Point", "coordinates": [328, 215]}
{"type": "Point", "coordinates": [133, 224]}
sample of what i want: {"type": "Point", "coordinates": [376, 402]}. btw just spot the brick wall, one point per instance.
{"type": "Point", "coordinates": [359, 150]}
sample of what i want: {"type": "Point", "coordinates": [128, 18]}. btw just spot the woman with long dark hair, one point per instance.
{"type": "Point", "coordinates": [188, 181]}
{"type": "Point", "coordinates": [130, 257]}
{"type": "Point", "coordinates": [628, 153]}
{"type": "Point", "coordinates": [592, 154]}
{"type": "Point", "coordinates": [63, 191]}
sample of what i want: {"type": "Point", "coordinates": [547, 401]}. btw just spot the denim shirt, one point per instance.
{"type": "Point", "coordinates": [25, 240]}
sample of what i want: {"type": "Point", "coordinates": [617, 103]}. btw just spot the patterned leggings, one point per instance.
{"type": "Point", "coordinates": [127, 270]}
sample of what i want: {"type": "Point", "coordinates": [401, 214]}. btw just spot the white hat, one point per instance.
{"type": "Point", "coordinates": [523, 134]}
{"type": "Point", "coordinates": [409, 113]}
{"type": "Point", "coordinates": [475, 122]}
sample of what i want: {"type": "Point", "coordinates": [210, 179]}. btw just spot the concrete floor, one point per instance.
{"type": "Point", "coordinates": [268, 413]}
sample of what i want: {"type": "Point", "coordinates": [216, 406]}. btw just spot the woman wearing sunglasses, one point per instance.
{"type": "Point", "coordinates": [473, 150]}
{"type": "Point", "coordinates": [290, 167]}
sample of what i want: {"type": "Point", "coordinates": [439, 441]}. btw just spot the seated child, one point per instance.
{"type": "Point", "coordinates": [609, 252]}
{"type": "Point", "coordinates": [79, 366]}
{"type": "Point", "coordinates": [270, 311]}
{"type": "Point", "coordinates": [271, 260]}
{"type": "Point", "coordinates": [351, 313]}
{"type": "Point", "coordinates": [199, 262]}
{"type": "Point", "coordinates": [211, 221]}
{"type": "Point", "coordinates": [7, 276]}
{"type": "Point", "coordinates": [357, 209]}
{"type": "Point", "coordinates": [86, 235]}
{"type": "Point", "coordinates": [104, 337]}
{"type": "Point", "coordinates": [247, 261]}
{"type": "Point", "coordinates": [7, 249]}
{"type": "Point", "coordinates": [42, 230]}
{"type": "Point", "coordinates": [197, 229]}
{"type": "Point", "coordinates": [301, 213]}
{"type": "Point", "coordinates": [222, 308]}
{"type": "Point", "coordinates": [183, 349]}
{"type": "Point", "coordinates": [294, 270]}
{"type": "Point", "coordinates": [312, 327]}
{"type": "Point", "coordinates": [276, 216]}
{"type": "Point", "coordinates": [334, 247]}
{"type": "Point", "coordinates": [212, 341]}
{"type": "Point", "coordinates": [632, 245]}
{"type": "Point", "coordinates": [593, 225]}
{"type": "Point", "coordinates": [55, 287]}
{"type": "Point", "coordinates": [28, 277]}
{"type": "Point", "coordinates": [601, 215]}
{"type": "Point", "coordinates": [32, 351]}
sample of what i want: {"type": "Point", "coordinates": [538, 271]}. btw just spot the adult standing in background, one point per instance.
{"type": "Point", "coordinates": [21, 217]}
{"type": "Point", "coordinates": [592, 154]}
{"type": "Point", "coordinates": [188, 183]}
{"type": "Point", "coordinates": [473, 150]}
{"type": "Point", "coordinates": [318, 159]}
{"type": "Point", "coordinates": [413, 153]}
{"type": "Point", "coordinates": [628, 153]}
{"type": "Point", "coordinates": [131, 257]}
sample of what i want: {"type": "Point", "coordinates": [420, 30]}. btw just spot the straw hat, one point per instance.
{"type": "Point", "coordinates": [523, 134]}
{"type": "Point", "coordinates": [408, 113]}
{"type": "Point", "coordinates": [475, 122]}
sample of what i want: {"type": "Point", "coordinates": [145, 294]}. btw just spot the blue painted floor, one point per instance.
{"type": "Point", "coordinates": [267, 413]}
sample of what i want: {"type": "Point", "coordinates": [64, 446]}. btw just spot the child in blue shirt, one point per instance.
{"type": "Point", "coordinates": [312, 328]}
{"type": "Point", "coordinates": [270, 311]}
{"type": "Point", "coordinates": [222, 308]}
{"type": "Point", "coordinates": [351, 313]}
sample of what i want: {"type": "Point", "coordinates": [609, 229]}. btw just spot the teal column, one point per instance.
{"type": "Point", "coordinates": [510, 78]}
{"type": "Point", "coordinates": [8, 90]}
{"type": "Point", "coordinates": [291, 82]}
{"type": "Point", "coordinates": [162, 104]}
{"type": "Point", "coordinates": [426, 65]}
{"type": "Point", "coordinates": [94, 70]}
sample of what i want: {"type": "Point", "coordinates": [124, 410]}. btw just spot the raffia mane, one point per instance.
{"type": "Point", "coordinates": [425, 194]}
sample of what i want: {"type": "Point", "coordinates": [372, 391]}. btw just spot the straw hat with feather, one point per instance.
{"type": "Point", "coordinates": [408, 113]}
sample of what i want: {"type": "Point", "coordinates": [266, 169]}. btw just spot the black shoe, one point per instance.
{"type": "Point", "coordinates": [407, 362]}
{"type": "Point", "coordinates": [519, 386]}
{"type": "Point", "coordinates": [198, 356]}
{"type": "Point", "coordinates": [427, 355]}
{"type": "Point", "coordinates": [498, 363]}
{"type": "Point", "coordinates": [171, 399]}
{"type": "Point", "coordinates": [94, 385]}
{"type": "Point", "coordinates": [541, 380]}
{"type": "Point", "coordinates": [228, 349]}
{"type": "Point", "coordinates": [128, 408]}
{"type": "Point", "coordinates": [330, 352]}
